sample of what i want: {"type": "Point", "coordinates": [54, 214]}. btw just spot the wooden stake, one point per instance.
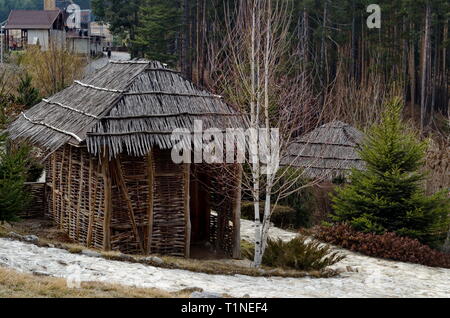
{"type": "Point", "coordinates": [237, 215]}
{"type": "Point", "coordinates": [69, 191]}
{"type": "Point", "coordinates": [108, 203]}
{"type": "Point", "coordinates": [53, 212]}
{"type": "Point", "coordinates": [150, 202]}
{"type": "Point", "coordinates": [91, 202]}
{"type": "Point", "coordinates": [80, 195]}
{"type": "Point", "coordinates": [187, 213]}
{"type": "Point", "coordinates": [61, 191]}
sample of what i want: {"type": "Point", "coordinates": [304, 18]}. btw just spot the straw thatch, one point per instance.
{"type": "Point", "coordinates": [128, 106]}
{"type": "Point", "coordinates": [327, 152]}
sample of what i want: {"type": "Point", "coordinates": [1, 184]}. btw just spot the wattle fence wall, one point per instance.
{"type": "Point", "coordinates": [36, 208]}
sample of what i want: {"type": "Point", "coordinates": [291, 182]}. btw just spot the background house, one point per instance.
{"type": "Point", "coordinates": [48, 26]}
{"type": "Point", "coordinates": [32, 27]}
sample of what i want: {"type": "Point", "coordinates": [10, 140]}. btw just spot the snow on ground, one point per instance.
{"type": "Point", "coordinates": [373, 278]}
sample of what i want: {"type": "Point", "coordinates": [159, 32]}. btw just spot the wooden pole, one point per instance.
{"type": "Point", "coordinates": [80, 196]}
{"type": "Point", "coordinates": [91, 202]}
{"type": "Point", "coordinates": [53, 212]}
{"type": "Point", "coordinates": [108, 202]}
{"type": "Point", "coordinates": [61, 191]}
{"type": "Point", "coordinates": [237, 214]}
{"type": "Point", "coordinates": [150, 202]}
{"type": "Point", "coordinates": [187, 212]}
{"type": "Point", "coordinates": [69, 192]}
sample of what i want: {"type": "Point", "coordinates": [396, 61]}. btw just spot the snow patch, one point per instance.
{"type": "Point", "coordinates": [373, 278]}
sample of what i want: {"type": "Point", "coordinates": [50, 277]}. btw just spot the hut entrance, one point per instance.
{"type": "Point", "coordinates": [200, 209]}
{"type": "Point", "coordinates": [200, 216]}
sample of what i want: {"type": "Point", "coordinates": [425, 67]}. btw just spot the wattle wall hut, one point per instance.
{"type": "Point", "coordinates": [110, 179]}
{"type": "Point", "coordinates": [329, 151]}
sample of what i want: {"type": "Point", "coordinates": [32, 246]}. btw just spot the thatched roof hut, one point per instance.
{"type": "Point", "coordinates": [328, 152]}
{"type": "Point", "coordinates": [110, 180]}
{"type": "Point", "coordinates": [126, 106]}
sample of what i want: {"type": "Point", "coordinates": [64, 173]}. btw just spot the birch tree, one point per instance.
{"type": "Point", "coordinates": [257, 69]}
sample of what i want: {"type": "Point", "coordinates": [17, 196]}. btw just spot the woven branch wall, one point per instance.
{"type": "Point", "coordinates": [135, 172]}
{"type": "Point", "coordinates": [149, 202]}
{"type": "Point", "coordinates": [75, 195]}
{"type": "Point", "coordinates": [169, 222]}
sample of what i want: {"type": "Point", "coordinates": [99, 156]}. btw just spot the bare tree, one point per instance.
{"type": "Point", "coordinates": [257, 70]}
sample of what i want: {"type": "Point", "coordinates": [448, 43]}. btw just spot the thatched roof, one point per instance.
{"type": "Point", "coordinates": [327, 152]}
{"type": "Point", "coordinates": [127, 106]}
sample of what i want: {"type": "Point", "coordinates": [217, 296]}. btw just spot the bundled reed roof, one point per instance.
{"type": "Point", "coordinates": [327, 152]}
{"type": "Point", "coordinates": [127, 106]}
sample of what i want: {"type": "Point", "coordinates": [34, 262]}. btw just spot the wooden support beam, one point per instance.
{"type": "Point", "coordinates": [108, 202]}
{"type": "Point", "coordinates": [151, 179]}
{"type": "Point", "coordinates": [80, 196]}
{"type": "Point", "coordinates": [237, 214]}
{"type": "Point", "coordinates": [53, 212]}
{"type": "Point", "coordinates": [68, 194]}
{"type": "Point", "coordinates": [91, 202]}
{"type": "Point", "coordinates": [61, 190]}
{"type": "Point", "coordinates": [187, 213]}
{"type": "Point", "coordinates": [122, 185]}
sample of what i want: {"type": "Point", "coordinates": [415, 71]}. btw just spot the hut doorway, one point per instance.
{"type": "Point", "coordinates": [200, 209]}
{"type": "Point", "coordinates": [200, 215]}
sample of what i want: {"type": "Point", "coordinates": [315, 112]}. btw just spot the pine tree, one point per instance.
{"type": "Point", "coordinates": [159, 22]}
{"type": "Point", "coordinates": [13, 171]}
{"type": "Point", "coordinates": [388, 195]}
{"type": "Point", "coordinates": [28, 95]}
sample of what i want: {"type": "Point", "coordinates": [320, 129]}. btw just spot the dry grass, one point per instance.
{"type": "Point", "coordinates": [18, 285]}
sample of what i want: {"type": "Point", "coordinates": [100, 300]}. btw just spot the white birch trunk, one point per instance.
{"type": "Point", "coordinates": [254, 110]}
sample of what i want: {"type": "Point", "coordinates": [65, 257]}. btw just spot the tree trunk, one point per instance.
{"type": "Point", "coordinates": [425, 69]}
{"type": "Point", "coordinates": [354, 45]}
{"type": "Point", "coordinates": [412, 74]}
{"type": "Point", "coordinates": [405, 62]}
{"type": "Point", "coordinates": [186, 65]}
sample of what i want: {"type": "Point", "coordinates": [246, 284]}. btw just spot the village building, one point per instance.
{"type": "Point", "coordinates": [48, 27]}
{"type": "Point", "coordinates": [110, 180]}
{"type": "Point", "coordinates": [35, 27]}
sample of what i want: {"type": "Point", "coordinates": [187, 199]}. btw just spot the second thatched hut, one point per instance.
{"type": "Point", "coordinates": [328, 152]}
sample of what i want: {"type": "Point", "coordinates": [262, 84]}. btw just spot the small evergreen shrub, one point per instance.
{"type": "Point", "coordinates": [27, 95]}
{"type": "Point", "coordinates": [387, 245]}
{"type": "Point", "coordinates": [300, 253]}
{"type": "Point", "coordinates": [388, 195]}
{"type": "Point", "coordinates": [13, 174]}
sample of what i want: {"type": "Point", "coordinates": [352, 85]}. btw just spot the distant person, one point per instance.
{"type": "Point", "coordinates": [109, 53]}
